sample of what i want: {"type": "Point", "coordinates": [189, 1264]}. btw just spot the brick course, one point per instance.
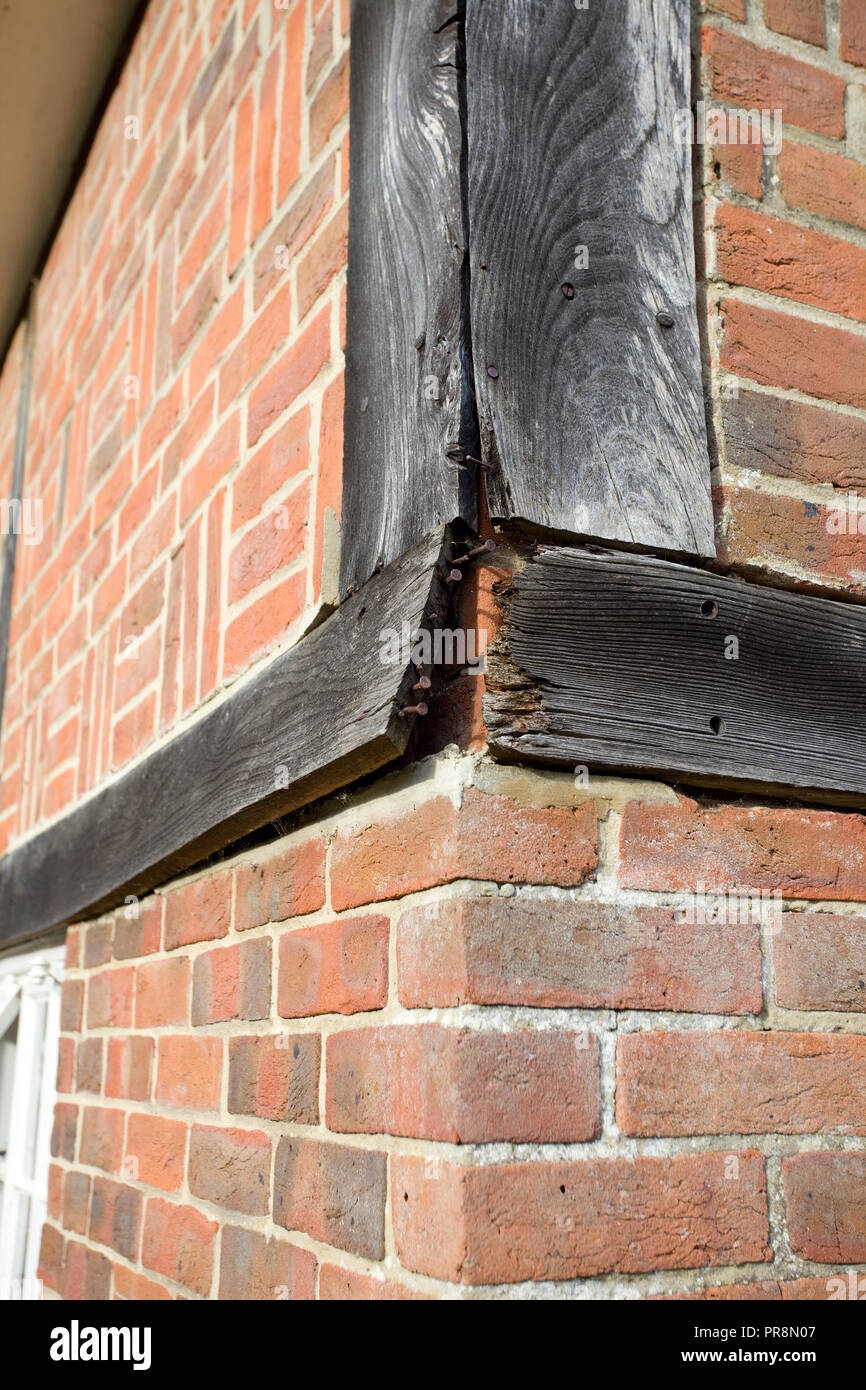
{"type": "Point", "coordinates": [284, 1156]}
{"type": "Point", "coordinates": [565, 1220]}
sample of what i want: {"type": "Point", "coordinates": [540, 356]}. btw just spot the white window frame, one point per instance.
{"type": "Point", "coordinates": [30, 984]}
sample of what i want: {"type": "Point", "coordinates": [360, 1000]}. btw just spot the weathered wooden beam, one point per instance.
{"type": "Point", "coordinates": [409, 418]}
{"type": "Point", "coordinates": [584, 326]}
{"type": "Point", "coordinates": [316, 718]}
{"type": "Point", "coordinates": [623, 661]}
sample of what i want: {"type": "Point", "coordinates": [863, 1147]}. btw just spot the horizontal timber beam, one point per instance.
{"type": "Point", "coordinates": [612, 660]}
{"type": "Point", "coordinates": [316, 718]}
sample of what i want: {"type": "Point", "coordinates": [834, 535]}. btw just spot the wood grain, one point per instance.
{"type": "Point", "coordinates": [409, 417]}
{"type": "Point", "coordinates": [619, 661]}
{"type": "Point", "coordinates": [593, 423]}
{"type": "Point", "coordinates": [318, 717]}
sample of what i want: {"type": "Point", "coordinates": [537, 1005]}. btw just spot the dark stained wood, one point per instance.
{"type": "Point", "coordinates": [619, 661]}
{"type": "Point", "coordinates": [594, 422]}
{"type": "Point", "coordinates": [409, 418]}
{"type": "Point", "coordinates": [318, 717]}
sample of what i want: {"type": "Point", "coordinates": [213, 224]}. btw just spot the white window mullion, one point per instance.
{"type": "Point", "coordinates": [42, 1157]}
{"type": "Point", "coordinates": [9, 992]}
{"type": "Point", "coordinates": [14, 1214]}
{"type": "Point", "coordinates": [30, 990]}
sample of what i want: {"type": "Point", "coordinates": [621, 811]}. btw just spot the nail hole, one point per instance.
{"type": "Point", "coordinates": [567, 290]}
{"type": "Point", "coordinates": [709, 608]}
{"type": "Point", "coordinates": [562, 1188]}
{"type": "Point", "coordinates": [717, 724]}
{"type": "Point", "coordinates": [405, 1196]}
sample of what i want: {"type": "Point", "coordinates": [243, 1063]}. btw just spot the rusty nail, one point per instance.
{"type": "Point", "coordinates": [567, 290]}
{"type": "Point", "coordinates": [665, 319]}
{"type": "Point", "coordinates": [493, 372]}
{"type": "Point", "coordinates": [479, 550]}
{"type": "Point", "coordinates": [423, 684]}
{"type": "Point", "coordinates": [412, 709]}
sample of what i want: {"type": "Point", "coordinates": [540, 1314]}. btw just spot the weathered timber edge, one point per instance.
{"type": "Point", "coordinates": [315, 719]}
{"type": "Point", "coordinates": [409, 414]}
{"type": "Point", "coordinates": [622, 661]}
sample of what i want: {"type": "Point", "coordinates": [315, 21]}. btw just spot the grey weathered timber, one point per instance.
{"type": "Point", "coordinates": [624, 661]}
{"type": "Point", "coordinates": [579, 206]}
{"type": "Point", "coordinates": [315, 719]}
{"type": "Point", "coordinates": [409, 416]}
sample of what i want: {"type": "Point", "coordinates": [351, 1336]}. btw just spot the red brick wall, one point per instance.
{"type": "Point", "coordinates": [469, 1027]}
{"type": "Point", "coordinates": [473, 1031]}
{"type": "Point", "coordinates": [186, 422]}
{"type": "Point", "coordinates": [784, 246]}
